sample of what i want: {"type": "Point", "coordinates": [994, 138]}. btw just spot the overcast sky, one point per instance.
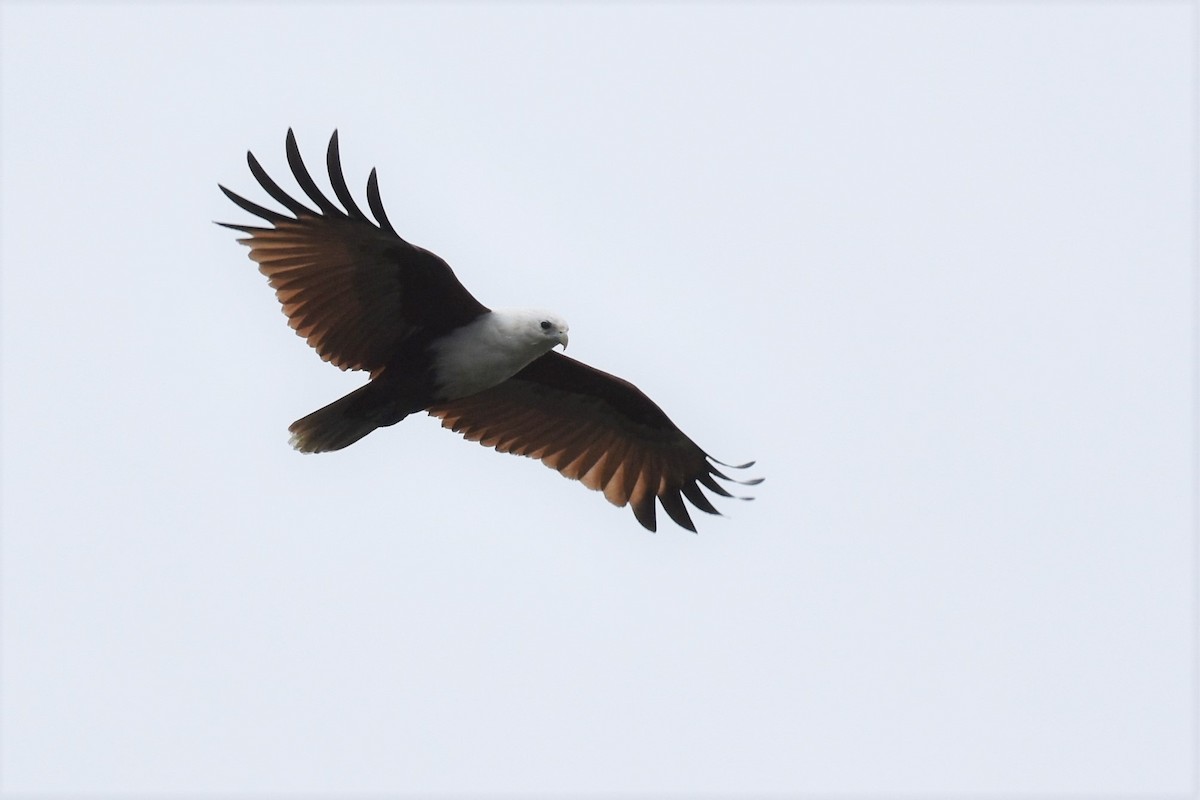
{"type": "Point", "coordinates": [931, 264]}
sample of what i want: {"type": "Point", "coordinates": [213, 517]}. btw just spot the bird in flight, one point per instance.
{"type": "Point", "coordinates": [366, 299]}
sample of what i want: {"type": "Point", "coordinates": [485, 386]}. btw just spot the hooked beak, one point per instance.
{"type": "Point", "coordinates": [562, 339]}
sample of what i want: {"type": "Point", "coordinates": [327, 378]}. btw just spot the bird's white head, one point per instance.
{"type": "Point", "coordinates": [538, 331]}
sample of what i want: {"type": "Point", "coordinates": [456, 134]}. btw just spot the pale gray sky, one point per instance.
{"type": "Point", "coordinates": [931, 264]}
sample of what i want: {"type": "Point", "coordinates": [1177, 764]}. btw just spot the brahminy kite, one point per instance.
{"type": "Point", "coordinates": [366, 299]}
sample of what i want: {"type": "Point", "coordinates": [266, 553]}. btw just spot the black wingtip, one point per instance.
{"type": "Point", "coordinates": [273, 217]}
{"type": "Point", "coordinates": [233, 226]}
{"type": "Point", "coordinates": [376, 203]}
{"type": "Point", "coordinates": [747, 465]}
{"type": "Point", "coordinates": [697, 498]}
{"type": "Point", "coordinates": [707, 479]}
{"type": "Point", "coordinates": [306, 182]}
{"type": "Point", "coordinates": [333, 164]}
{"type": "Point", "coordinates": [644, 513]}
{"type": "Point", "coordinates": [272, 188]}
{"type": "Point", "coordinates": [747, 482]}
{"type": "Point", "coordinates": [672, 503]}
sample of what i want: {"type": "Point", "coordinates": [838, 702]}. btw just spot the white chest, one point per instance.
{"type": "Point", "coordinates": [478, 356]}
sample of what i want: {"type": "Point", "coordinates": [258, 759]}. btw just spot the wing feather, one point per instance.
{"type": "Point", "coordinates": [253, 208]}
{"type": "Point", "coordinates": [376, 203]}
{"type": "Point", "coordinates": [333, 162]}
{"type": "Point", "coordinates": [305, 180]}
{"type": "Point", "coordinates": [280, 196]}
{"type": "Point", "coordinates": [627, 470]}
{"type": "Point", "coordinates": [643, 511]}
{"type": "Point", "coordinates": [672, 503]}
{"type": "Point", "coordinates": [709, 483]}
{"type": "Point", "coordinates": [591, 455]}
{"type": "Point", "coordinates": [698, 498]}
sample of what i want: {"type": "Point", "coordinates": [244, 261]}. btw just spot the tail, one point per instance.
{"type": "Point", "coordinates": [343, 422]}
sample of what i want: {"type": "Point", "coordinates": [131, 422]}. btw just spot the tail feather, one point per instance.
{"type": "Point", "coordinates": [343, 422]}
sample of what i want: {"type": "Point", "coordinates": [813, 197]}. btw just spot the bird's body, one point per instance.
{"type": "Point", "coordinates": [490, 349]}
{"type": "Point", "coordinates": [365, 299]}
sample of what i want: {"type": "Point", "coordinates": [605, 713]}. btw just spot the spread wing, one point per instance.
{"type": "Point", "coordinates": [350, 286]}
{"type": "Point", "coordinates": [595, 428]}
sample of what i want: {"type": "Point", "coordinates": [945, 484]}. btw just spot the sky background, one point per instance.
{"type": "Point", "coordinates": [932, 264]}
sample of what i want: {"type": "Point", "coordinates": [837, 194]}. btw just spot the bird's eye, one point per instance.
{"type": "Point", "coordinates": [545, 325]}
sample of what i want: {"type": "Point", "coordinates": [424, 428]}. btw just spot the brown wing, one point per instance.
{"type": "Point", "coordinates": [351, 287]}
{"type": "Point", "coordinates": [594, 428]}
